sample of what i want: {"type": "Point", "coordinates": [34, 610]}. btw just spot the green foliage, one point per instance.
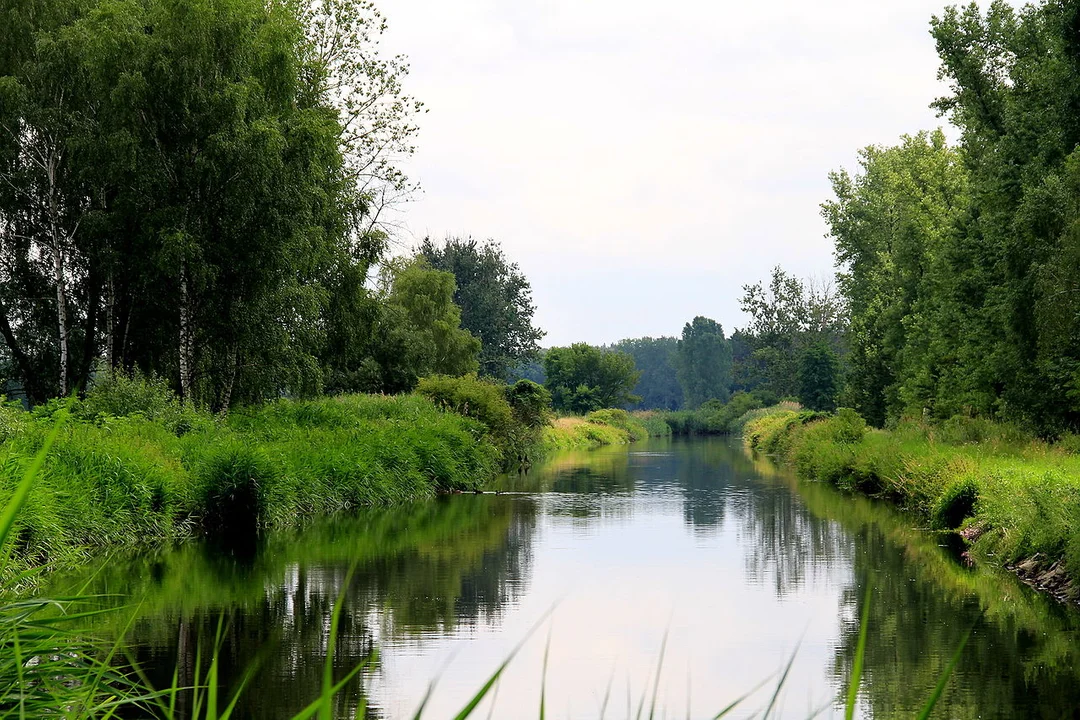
{"type": "Point", "coordinates": [582, 378]}
{"type": "Point", "coordinates": [715, 417]}
{"type": "Point", "coordinates": [956, 504]}
{"type": "Point", "coordinates": [655, 423]}
{"type": "Point", "coordinates": [704, 362]}
{"type": "Point", "coordinates": [575, 433]}
{"type": "Point", "coordinates": [495, 300]}
{"type": "Point", "coordinates": [787, 316]}
{"type": "Point", "coordinates": [409, 328]}
{"type": "Point", "coordinates": [481, 399]}
{"type": "Point", "coordinates": [530, 402]}
{"type": "Point", "coordinates": [819, 380]}
{"type": "Point", "coordinates": [185, 188]}
{"type": "Point", "coordinates": [891, 225]}
{"type": "Point", "coordinates": [960, 264]}
{"type": "Point", "coordinates": [621, 419]}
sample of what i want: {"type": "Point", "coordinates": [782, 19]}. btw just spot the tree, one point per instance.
{"type": "Point", "coordinates": [818, 377]}
{"type": "Point", "coordinates": [408, 328]}
{"type": "Point", "coordinates": [786, 316]}
{"type": "Point", "coordinates": [704, 362]}
{"type": "Point", "coordinates": [582, 378]}
{"type": "Point", "coordinates": [890, 224]}
{"type": "Point", "coordinates": [655, 358]}
{"type": "Point", "coordinates": [495, 300]}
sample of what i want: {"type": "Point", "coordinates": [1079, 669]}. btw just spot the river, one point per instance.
{"type": "Point", "coordinates": [689, 551]}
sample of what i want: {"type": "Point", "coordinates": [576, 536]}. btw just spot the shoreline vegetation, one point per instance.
{"type": "Point", "coordinates": [133, 466]}
{"type": "Point", "coordinates": [1012, 498]}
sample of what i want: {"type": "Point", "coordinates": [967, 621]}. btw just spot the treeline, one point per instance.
{"type": "Point", "coordinates": [792, 349]}
{"type": "Point", "coordinates": [194, 190]}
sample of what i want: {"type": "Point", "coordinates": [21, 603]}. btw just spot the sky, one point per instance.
{"type": "Point", "coordinates": [642, 161]}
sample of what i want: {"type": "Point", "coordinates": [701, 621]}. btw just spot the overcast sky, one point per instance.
{"type": "Point", "coordinates": [641, 161]}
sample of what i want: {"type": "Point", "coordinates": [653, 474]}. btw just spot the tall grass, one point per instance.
{"type": "Point", "coordinates": [602, 427]}
{"type": "Point", "coordinates": [168, 472]}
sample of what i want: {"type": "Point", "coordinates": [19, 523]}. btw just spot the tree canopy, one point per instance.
{"type": "Point", "coordinates": [704, 362]}
{"type": "Point", "coordinates": [582, 378]}
{"type": "Point", "coordinates": [495, 300]}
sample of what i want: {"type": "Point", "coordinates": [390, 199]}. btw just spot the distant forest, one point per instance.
{"type": "Point", "coordinates": [792, 348]}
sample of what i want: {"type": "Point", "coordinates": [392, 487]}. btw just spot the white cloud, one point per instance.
{"type": "Point", "coordinates": [652, 155]}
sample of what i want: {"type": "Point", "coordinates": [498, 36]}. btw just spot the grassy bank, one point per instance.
{"type": "Point", "coordinates": [1015, 499]}
{"type": "Point", "coordinates": [121, 476]}
{"type": "Point", "coordinates": [602, 427]}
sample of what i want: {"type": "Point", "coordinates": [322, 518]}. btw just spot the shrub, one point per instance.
{"type": "Point", "coordinates": [956, 504]}
{"type": "Point", "coordinates": [621, 419]}
{"type": "Point", "coordinates": [847, 427]}
{"type": "Point", "coordinates": [655, 423]}
{"type": "Point", "coordinates": [473, 397]}
{"type": "Point", "coordinates": [230, 489]}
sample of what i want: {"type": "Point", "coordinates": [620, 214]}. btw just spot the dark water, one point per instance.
{"type": "Point", "coordinates": [738, 565]}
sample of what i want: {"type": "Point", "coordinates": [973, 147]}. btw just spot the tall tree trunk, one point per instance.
{"type": "Point", "coordinates": [187, 330]}
{"type": "Point", "coordinates": [58, 271]}
{"type": "Point", "coordinates": [110, 323]}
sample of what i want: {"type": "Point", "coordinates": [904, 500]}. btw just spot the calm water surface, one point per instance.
{"type": "Point", "coordinates": [738, 565]}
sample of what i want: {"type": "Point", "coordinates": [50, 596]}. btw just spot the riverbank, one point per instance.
{"type": "Point", "coordinates": [1014, 500]}
{"type": "Point", "coordinates": [600, 428]}
{"type": "Point", "coordinates": [167, 472]}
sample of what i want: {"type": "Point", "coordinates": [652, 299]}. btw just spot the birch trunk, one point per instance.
{"type": "Point", "coordinates": [58, 271]}
{"type": "Point", "coordinates": [186, 332]}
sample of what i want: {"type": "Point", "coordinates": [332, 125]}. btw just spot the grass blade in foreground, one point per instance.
{"type": "Point", "coordinates": [471, 705]}
{"type": "Point", "coordinates": [860, 651]}
{"type": "Point", "coordinates": [944, 679]}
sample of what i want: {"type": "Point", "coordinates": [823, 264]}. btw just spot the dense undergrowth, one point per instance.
{"type": "Point", "coordinates": [133, 466]}
{"type": "Point", "coordinates": [1016, 499]}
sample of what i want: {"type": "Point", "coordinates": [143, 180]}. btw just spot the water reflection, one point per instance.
{"type": "Point", "coordinates": [733, 559]}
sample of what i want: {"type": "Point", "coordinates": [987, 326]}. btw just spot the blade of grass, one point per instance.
{"type": "Point", "coordinates": [424, 700]}
{"type": "Point", "coordinates": [860, 652]}
{"type": "Point", "coordinates": [607, 694]}
{"type": "Point", "coordinates": [476, 699]}
{"type": "Point", "coordinates": [659, 669]}
{"type": "Point", "coordinates": [783, 679]}
{"type": "Point", "coordinates": [326, 708]}
{"type": "Point", "coordinates": [543, 673]}
{"type": "Point", "coordinates": [738, 701]}
{"type": "Point", "coordinates": [944, 679]}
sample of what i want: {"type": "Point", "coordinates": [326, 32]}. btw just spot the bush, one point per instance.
{"type": "Point", "coordinates": [230, 488]}
{"type": "Point", "coordinates": [654, 422]}
{"type": "Point", "coordinates": [473, 397]}
{"type": "Point", "coordinates": [514, 415]}
{"type": "Point", "coordinates": [847, 427]}
{"type": "Point", "coordinates": [956, 504]}
{"type": "Point", "coordinates": [621, 419]}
